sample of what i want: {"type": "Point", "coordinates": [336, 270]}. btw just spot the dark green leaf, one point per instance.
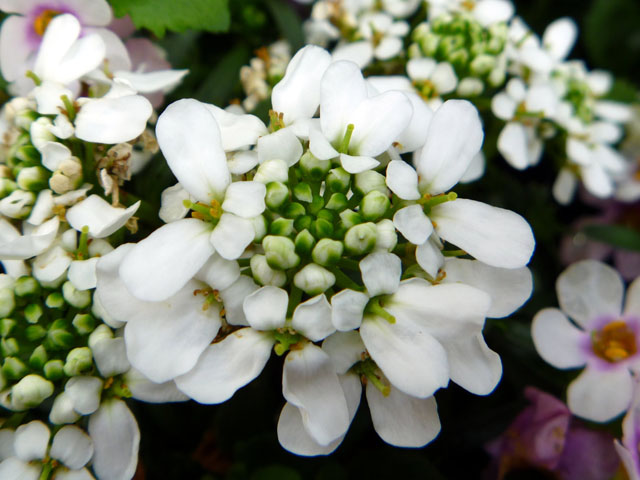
{"type": "Point", "coordinates": [176, 15]}
{"type": "Point", "coordinates": [616, 235]}
{"type": "Point", "coordinates": [219, 84]}
{"type": "Point", "coordinates": [288, 22]}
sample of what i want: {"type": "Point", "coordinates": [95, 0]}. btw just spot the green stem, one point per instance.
{"type": "Point", "coordinates": [294, 300]}
{"type": "Point", "coordinates": [344, 281]}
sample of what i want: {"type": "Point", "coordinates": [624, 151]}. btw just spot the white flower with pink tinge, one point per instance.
{"type": "Point", "coordinates": [602, 336]}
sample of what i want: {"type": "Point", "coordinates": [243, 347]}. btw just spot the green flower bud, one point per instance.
{"type": "Point", "coordinates": [497, 77]}
{"type": "Point", "coordinates": [79, 361]}
{"type": "Point", "coordinates": [458, 58]}
{"type": "Point", "coordinates": [102, 332]}
{"type": "Point", "coordinates": [38, 358]}
{"type": "Point", "coordinates": [337, 201]}
{"type": "Point", "coordinates": [13, 368]}
{"type": "Point", "coordinates": [317, 204]}
{"type": "Point", "coordinates": [7, 186]}
{"type": "Point", "coordinates": [327, 252]}
{"type": "Point", "coordinates": [6, 326]}
{"type": "Point", "coordinates": [272, 171]}
{"type": "Point", "coordinates": [33, 312]}
{"type": "Point", "coordinates": [361, 239]}
{"type": "Point", "coordinates": [30, 392]}
{"type": "Point", "coordinates": [54, 300]}
{"type": "Point", "coordinates": [54, 369]}
{"type": "Point", "coordinates": [74, 297]}
{"type": "Point", "coordinates": [304, 242]}
{"type": "Point", "coordinates": [28, 154]}
{"type": "Point", "coordinates": [327, 215]}
{"type": "Point", "coordinates": [277, 194]}
{"type": "Point", "coordinates": [59, 338]}
{"type": "Point", "coordinates": [281, 227]}
{"type": "Point", "coordinates": [18, 204]}
{"type": "Point", "coordinates": [321, 228]}
{"type": "Point", "coordinates": [33, 179]}
{"type": "Point", "coordinates": [387, 236]}
{"type": "Point", "coordinates": [482, 64]}
{"type": "Point", "coordinates": [369, 181]}
{"type": "Point", "coordinates": [264, 274]}
{"type": "Point", "coordinates": [35, 332]}
{"type": "Point", "coordinates": [302, 223]}
{"type": "Point", "coordinates": [280, 252]}
{"type": "Point", "coordinates": [302, 191]}
{"type": "Point", "coordinates": [84, 323]}
{"type": "Point", "coordinates": [470, 87]}
{"type": "Point", "coordinates": [338, 180]}
{"type": "Point", "coordinates": [349, 218]}
{"type": "Point", "coordinates": [374, 205]}
{"type": "Point", "coordinates": [313, 279]}
{"type": "Point", "coordinates": [9, 346]}
{"type": "Point", "coordinates": [7, 302]}
{"type": "Point", "coordinates": [294, 210]}
{"type": "Point", "coordinates": [313, 167]}
{"type": "Point", "coordinates": [26, 286]}
{"type": "Point", "coordinates": [260, 226]}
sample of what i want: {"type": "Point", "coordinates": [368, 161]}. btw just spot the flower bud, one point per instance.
{"type": "Point", "coordinates": [264, 274]}
{"type": "Point", "coordinates": [338, 202]}
{"type": "Point", "coordinates": [54, 369]}
{"type": "Point", "coordinates": [317, 204]}
{"type": "Point", "coordinates": [9, 346]}
{"type": "Point", "coordinates": [18, 204]}
{"type": "Point", "coordinates": [368, 181]}
{"type": "Point", "coordinates": [349, 218]}
{"type": "Point", "coordinates": [313, 167]}
{"type": "Point", "coordinates": [280, 252]}
{"type": "Point", "coordinates": [59, 337]}
{"type": "Point", "coordinates": [33, 179]}
{"type": "Point", "coordinates": [497, 76]}
{"type": "Point", "coordinates": [28, 154]}
{"type": "Point", "coordinates": [102, 332]}
{"type": "Point", "coordinates": [30, 392]}
{"type": "Point", "coordinates": [272, 171]}
{"type": "Point", "coordinates": [321, 228]}
{"type": "Point", "coordinates": [387, 237]}
{"type": "Point", "coordinates": [303, 222]}
{"type": "Point", "coordinates": [33, 312]}
{"type": "Point", "coordinates": [277, 194]}
{"type": "Point", "coordinates": [7, 186]}
{"type": "Point", "coordinates": [68, 176]}
{"type": "Point", "coordinates": [294, 210]}
{"type": "Point", "coordinates": [74, 297]}
{"type": "Point", "coordinates": [13, 368]}
{"type": "Point", "coordinates": [482, 64]}
{"type": "Point", "coordinates": [282, 227]}
{"type": "Point", "coordinates": [327, 252]}
{"type": "Point", "coordinates": [54, 300]}
{"type": "Point", "coordinates": [35, 332]}
{"type": "Point", "coordinates": [338, 180]}
{"type": "Point", "coordinates": [470, 87]}
{"type": "Point", "coordinates": [79, 361]}
{"type": "Point", "coordinates": [304, 242]}
{"type": "Point", "coordinates": [7, 326]}
{"type": "Point", "coordinates": [26, 286]}
{"type": "Point", "coordinates": [374, 205]}
{"type": "Point", "coordinates": [7, 302]}
{"type": "Point", "coordinates": [361, 239]}
{"type": "Point", "coordinates": [38, 358]}
{"type": "Point", "coordinates": [84, 323]}
{"type": "Point", "coordinates": [313, 279]}
{"type": "Point", "coordinates": [302, 191]}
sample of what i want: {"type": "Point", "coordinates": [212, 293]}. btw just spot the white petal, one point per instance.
{"type": "Point", "coordinates": [226, 366]}
{"type": "Point", "coordinates": [60, 35]}
{"type": "Point", "coordinates": [600, 396]}
{"type": "Point", "coordinates": [116, 439]}
{"type": "Point", "coordinates": [402, 180]}
{"type": "Point", "coordinates": [15, 469]}
{"type": "Point", "coordinates": [402, 420]}
{"type": "Point", "coordinates": [245, 199]}
{"type": "Point", "coordinates": [488, 12]}
{"type": "Point", "coordinates": [413, 224]}
{"type": "Point", "coordinates": [498, 237]}
{"type": "Point", "coordinates": [345, 349]}
{"type": "Point", "coordinates": [357, 164]}
{"type": "Point", "coordinates": [297, 95]}
{"type": "Point", "coordinates": [232, 235]}
{"type": "Point", "coordinates": [473, 365]}
{"type": "Point", "coordinates": [313, 318]}
{"type": "Point", "coordinates": [62, 410]}
{"type": "Point", "coordinates": [110, 356]}
{"type": "Point", "coordinates": [557, 340]}
{"type": "Point", "coordinates": [632, 303]}
{"type": "Point", "coordinates": [513, 145]}
{"type": "Point", "coordinates": [347, 308]}
{"type": "Point", "coordinates": [444, 78]}
{"type": "Point", "coordinates": [84, 392]}
{"type": "Point", "coordinates": [589, 289]}
{"type": "Point", "coordinates": [388, 48]}
{"type": "Point", "coordinates": [22, 247]}
{"type": "Point", "coordinates": [43, 208]}
{"type": "Point", "coordinates": [559, 37]}
{"type": "Point", "coordinates": [82, 474]}
{"type": "Point", "coordinates": [381, 273]}
{"type": "Point", "coordinates": [72, 447]}
{"type": "Point", "coordinates": [508, 288]}
{"type": "Point", "coordinates": [161, 264]}
{"type": "Point", "coordinates": [280, 145]}
{"type": "Point", "coordinates": [82, 273]}
{"type": "Point", "coordinates": [190, 140]}
{"type": "Point", "coordinates": [409, 356]}
{"type": "Point", "coordinates": [429, 257]}
{"type": "Point", "coordinates": [503, 106]}
{"type": "Point", "coordinates": [310, 383]}
{"type": "Point", "coordinates": [242, 161]}
{"type": "Point", "coordinates": [149, 82]}
{"type": "Point", "coordinates": [564, 186]}
{"type": "Point", "coordinates": [172, 201]}
{"type": "Point", "coordinates": [320, 146]}
{"type": "Point", "coordinates": [31, 441]}
{"type": "Point", "coordinates": [233, 298]}
{"type": "Point", "coordinates": [101, 218]}
{"type": "Point", "coordinates": [6, 443]}
{"type": "Point", "coordinates": [612, 111]}
{"type": "Point", "coordinates": [113, 120]}
{"type": "Point", "coordinates": [266, 308]}
{"type": "Point", "coordinates": [144, 389]}
{"type": "Point", "coordinates": [414, 136]}
{"type": "Point", "coordinates": [51, 266]}
{"type": "Point", "coordinates": [85, 55]}
{"type": "Point", "coordinates": [455, 136]}
{"type": "Point", "coordinates": [219, 273]}
{"type": "Point", "coordinates": [360, 53]}
{"type": "Point", "coordinates": [14, 47]}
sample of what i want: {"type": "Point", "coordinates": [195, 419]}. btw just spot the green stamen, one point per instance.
{"type": "Point", "coordinates": [34, 77]}
{"type": "Point", "coordinates": [454, 253]}
{"type": "Point", "coordinates": [344, 145]}
{"type": "Point", "coordinates": [68, 105]}
{"type": "Point", "coordinates": [374, 307]}
{"type": "Point", "coordinates": [82, 253]}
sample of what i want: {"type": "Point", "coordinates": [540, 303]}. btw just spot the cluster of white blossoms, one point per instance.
{"type": "Point", "coordinates": [480, 51]}
{"type": "Point", "coordinates": [315, 239]}
{"type": "Point", "coordinates": [75, 132]}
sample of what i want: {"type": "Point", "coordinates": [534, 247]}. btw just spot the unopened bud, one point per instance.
{"type": "Point", "coordinates": [369, 181]}
{"type": "Point", "coordinates": [303, 222]}
{"type": "Point", "coordinates": [327, 252]}
{"type": "Point", "coordinates": [7, 186]}
{"type": "Point", "coordinates": [9, 346]}
{"type": "Point", "coordinates": [26, 286]}
{"type": "Point", "coordinates": [281, 227]}
{"type": "Point", "coordinates": [302, 192]}
{"type": "Point", "coordinates": [264, 274]}
{"type": "Point", "coordinates": [349, 218]}
{"type": "Point", "coordinates": [387, 237]}
{"type": "Point", "coordinates": [79, 361]}
{"type": "Point", "coordinates": [30, 392]}
{"type": "Point", "coordinates": [314, 279]}
{"type": "Point", "coordinates": [361, 239]}
{"type": "Point", "coordinates": [482, 64]}
{"type": "Point", "coordinates": [84, 323]}
{"type": "Point", "coordinates": [313, 167]}
{"type": "Point", "coordinates": [33, 312]}
{"type": "Point", "coordinates": [272, 171]}
{"type": "Point", "coordinates": [374, 205]}
{"type": "Point", "coordinates": [321, 228]}
{"type": "Point", "coordinates": [38, 358]}
{"type": "Point", "coordinates": [13, 368]}
{"type": "Point", "coordinates": [294, 210]}
{"type": "Point", "coordinates": [470, 87]}
{"type": "Point", "coordinates": [7, 325]}
{"type": "Point", "coordinates": [74, 297]}
{"type": "Point", "coordinates": [338, 180]}
{"type": "Point", "coordinates": [7, 302]}
{"type": "Point", "coordinates": [338, 202]}
{"type": "Point", "coordinates": [304, 243]}
{"type": "Point", "coordinates": [54, 300]}
{"type": "Point", "coordinates": [54, 369]}
{"type": "Point", "coordinates": [35, 332]}
{"type": "Point", "coordinates": [59, 338]}
{"type": "Point", "coordinates": [277, 194]}
{"type": "Point", "coordinates": [280, 252]}
{"type": "Point", "coordinates": [33, 179]}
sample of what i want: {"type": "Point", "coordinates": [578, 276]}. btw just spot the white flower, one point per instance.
{"type": "Point", "coordinates": [600, 336]}
{"type": "Point", "coordinates": [486, 12]}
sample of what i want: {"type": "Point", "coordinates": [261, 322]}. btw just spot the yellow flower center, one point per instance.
{"type": "Point", "coordinates": [614, 342]}
{"type": "Point", "coordinates": [42, 21]}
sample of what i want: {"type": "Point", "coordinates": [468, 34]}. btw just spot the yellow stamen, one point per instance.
{"type": "Point", "coordinates": [42, 21]}
{"type": "Point", "coordinates": [614, 342]}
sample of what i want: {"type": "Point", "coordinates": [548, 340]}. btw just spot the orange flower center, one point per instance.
{"type": "Point", "coordinates": [614, 342]}
{"type": "Point", "coordinates": [42, 21]}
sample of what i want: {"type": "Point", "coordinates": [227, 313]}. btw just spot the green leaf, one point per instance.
{"type": "Point", "coordinates": [176, 15]}
{"type": "Point", "coordinates": [616, 235]}
{"type": "Point", "coordinates": [219, 84]}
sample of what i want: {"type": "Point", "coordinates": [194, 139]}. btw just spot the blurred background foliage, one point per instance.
{"type": "Point", "coordinates": [237, 440]}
